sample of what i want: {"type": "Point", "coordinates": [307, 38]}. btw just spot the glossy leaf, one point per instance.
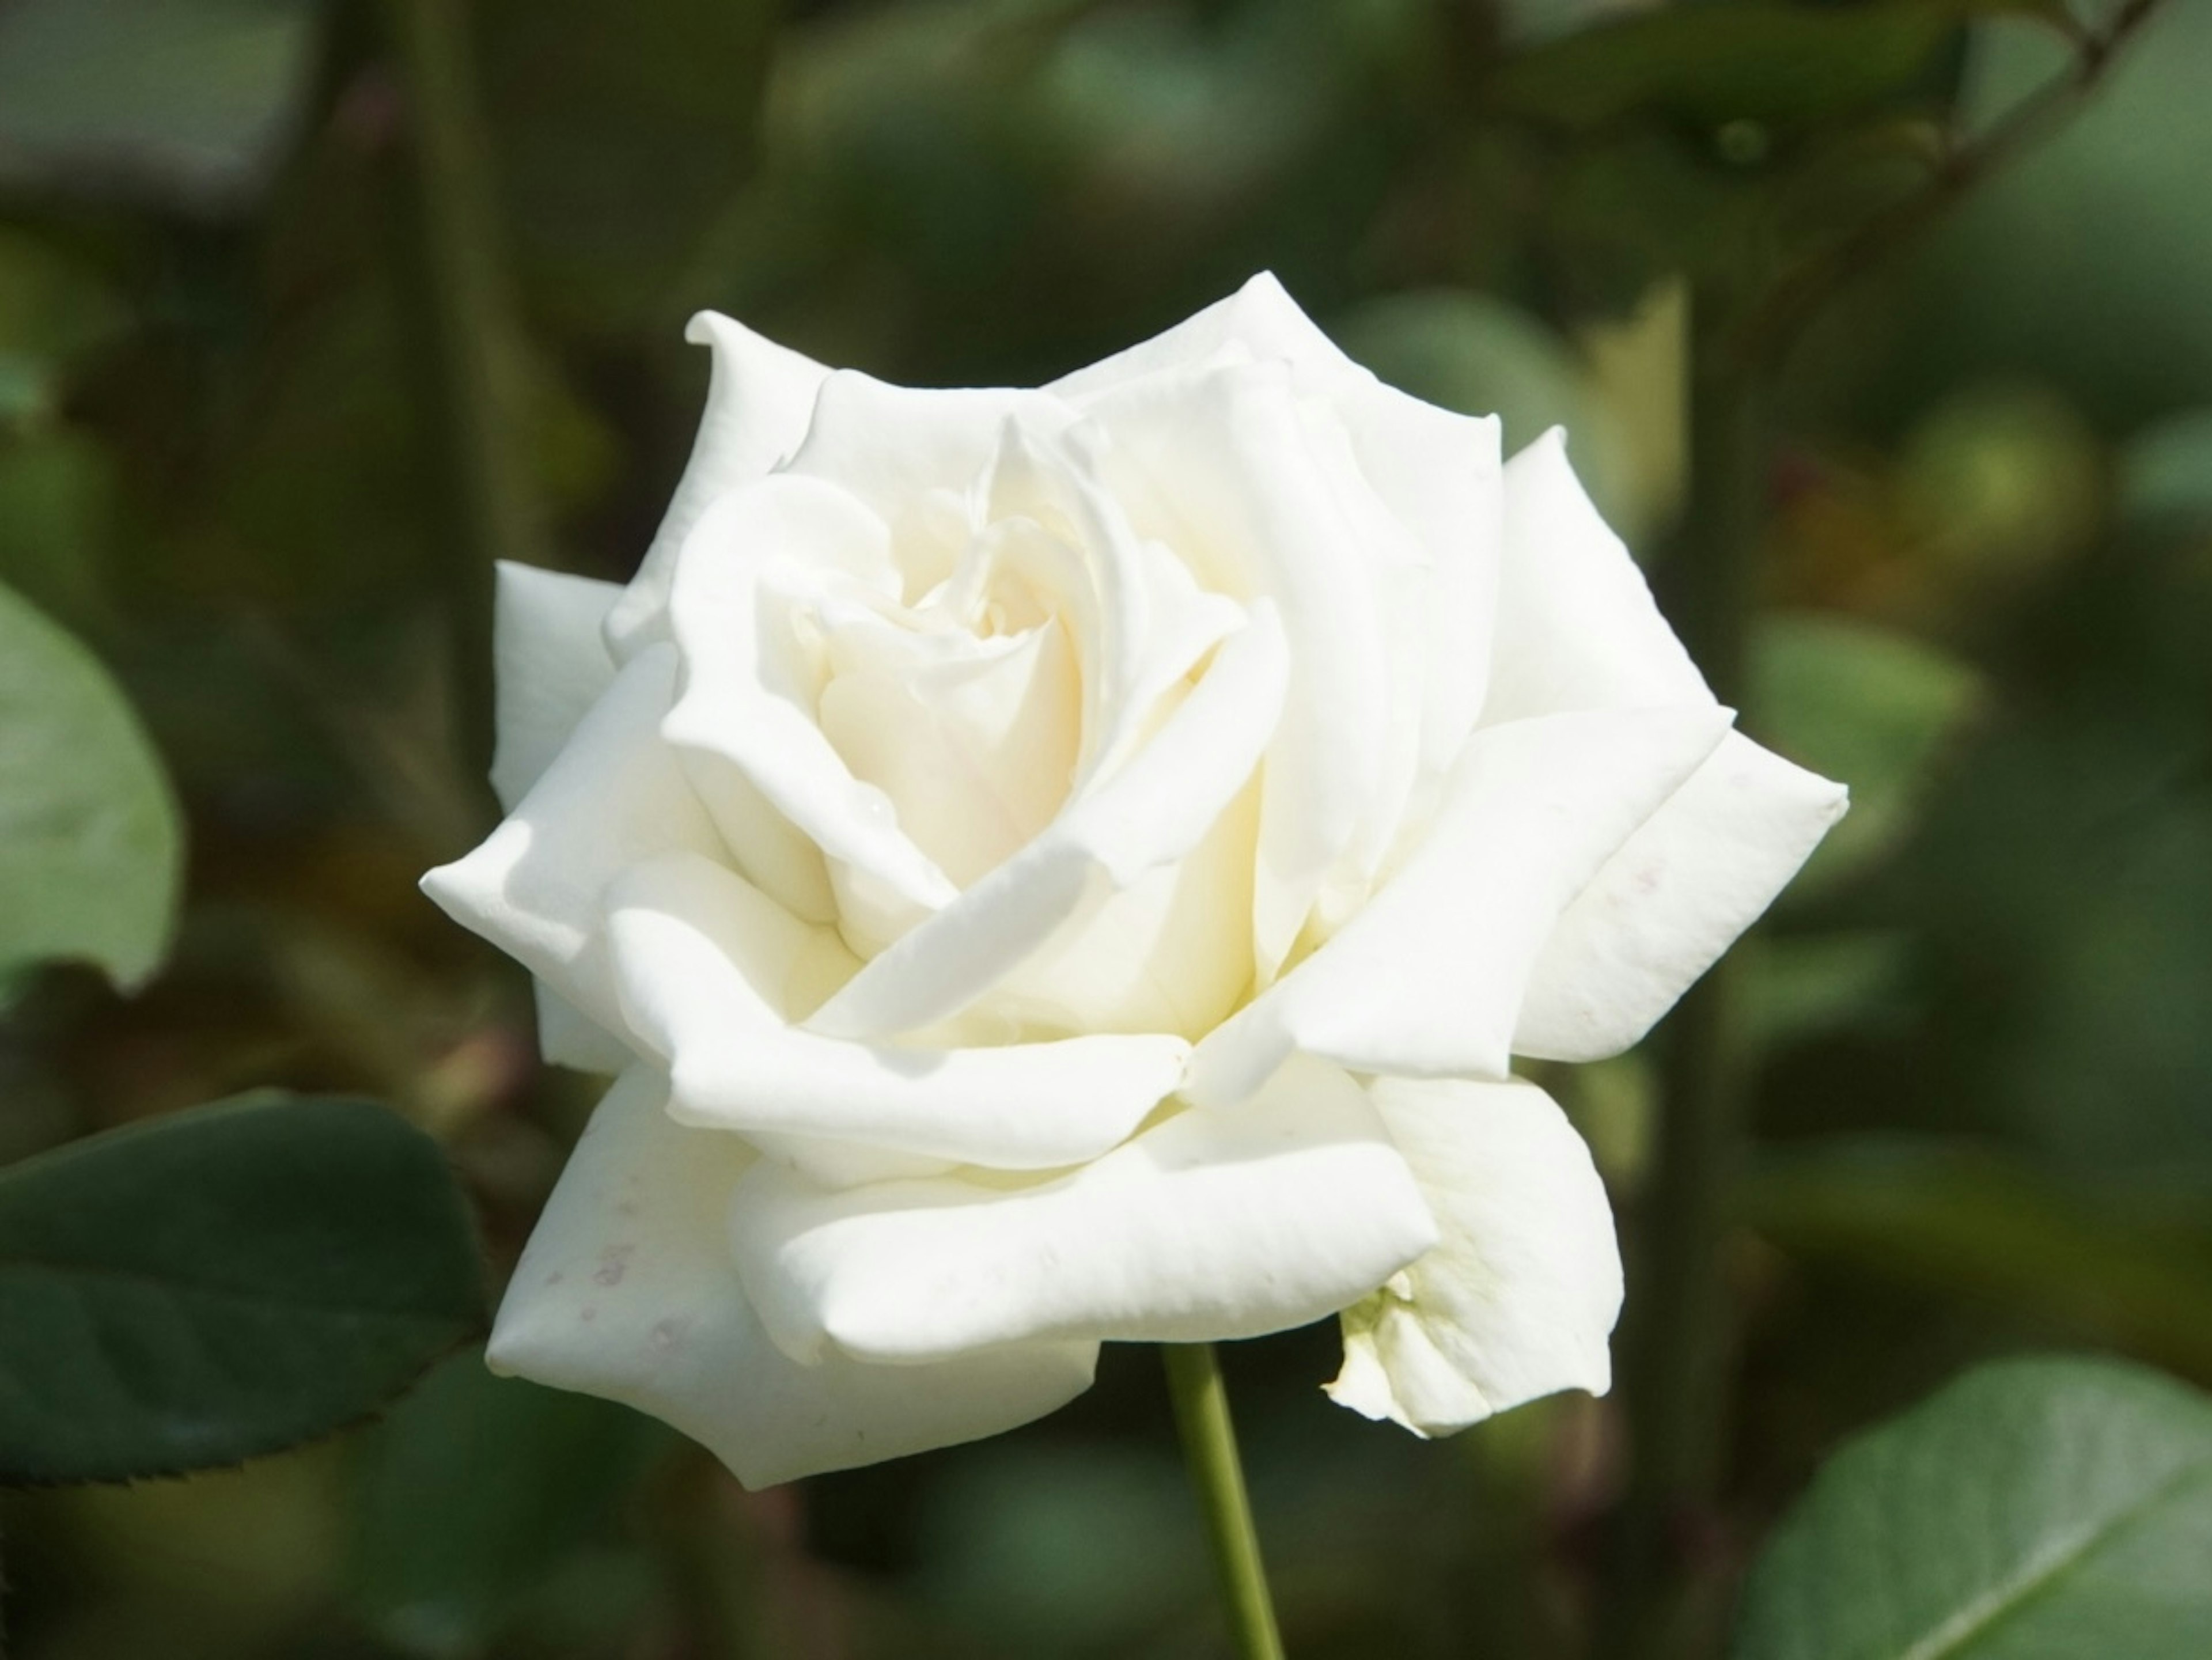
{"type": "Point", "coordinates": [2034, 1509]}
{"type": "Point", "coordinates": [90, 845]}
{"type": "Point", "coordinates": [476, 1489]}
{"type": "Point", "coordinates": [204, 1288]}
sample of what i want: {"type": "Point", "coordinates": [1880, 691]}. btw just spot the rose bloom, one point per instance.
{"type": "Point", "coordinates": [1059, 866]}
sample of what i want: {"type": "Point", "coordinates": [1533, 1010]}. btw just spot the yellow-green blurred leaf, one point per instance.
{"type": "Point", "coordinates": [91, 848]}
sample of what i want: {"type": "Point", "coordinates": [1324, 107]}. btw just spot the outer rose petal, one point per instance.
{"type": "Point", "coordinates": [613, 797]}
{"type": "Point", "coordinates": [1427, 980]}
{"type": "Point", "coordinates": [1661, 911]}
{"type": "Point", "coordinates": [551, 667]}
{"type": "Point", "coordinates": [567, 1036]}
{"type": "Point", "coordinates": [1578, 630]}
{"type": "Point", "coordinates": [1211, 1224]}
{"type": "Point", "coordinates": [704, 960]}
{"type": "Point", "coordinates": [1519, 1297]}
{"type": "Point", "coordinates": [626, 1291]}
{"type": "Point", "coordinates": [759, 398]}
{"type": "Point", "coordinates": [1577, 627]}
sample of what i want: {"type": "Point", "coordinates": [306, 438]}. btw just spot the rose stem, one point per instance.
{"type": "Point", "coordinates": [1209, 1449]}
{"type": "Point", "coordinates": [1678, 1341]}
{"type": "Point", "coordinates": [473, 351]}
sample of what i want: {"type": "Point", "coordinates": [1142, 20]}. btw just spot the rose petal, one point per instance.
{"type": "Point", "coordinates": [1149, 814]}
{"type": "Point", "coordinates": [550, 667]}
{"type": "Point", "coordinates": [897, 449]}
{"type": "Point", "coordinates": [746, 723]}
{"type": "Point", "coordinates": [759, 398]}
{"type": "Point", "coordinates": [567, 1036]}
{"type": "Point", "coordinates": [627, 1292]}
{"type": "Point", "coordinates": [614, 797]}
{"type": "Point", "coordinates": [1438, 472]}
{"type": "Point", "coordinates": [1427, 980]}
{"type": "Point", "coordinates": [1576, 626]}
{"type": "Point", "coordinates": [1211, 1224]}
{"type": "Point", "coordinates": [1661, 911]}
{"type": "Point", "coordinates": [708, 965]}
{"type": "Point", "coordinates": [1519, 1298]}
{"type": "Point", "coordinates": [1219, 463]}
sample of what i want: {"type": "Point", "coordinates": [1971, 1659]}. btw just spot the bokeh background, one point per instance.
{"type": "Point", "coordinates": [307, 310]}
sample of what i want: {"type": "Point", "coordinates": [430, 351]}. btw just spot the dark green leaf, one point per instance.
{"type": "Point", "coordinates": [180, 99]}
{"type": "Point", "coordinates": [2035, 1510]}
{"type": "Point", "coordinates": [474, 1489]}
{"type": "Point", "coordinates": [90, 845]}
{"type": "Point", "coordinates": [204, 1287]}
{"type": "Point", "coordinates": [1765, 61]}
{"type": "Point", "coordinates": [1977, 1223]}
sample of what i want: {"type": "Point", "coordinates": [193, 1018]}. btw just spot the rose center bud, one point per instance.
{"type": "Point", "coordinates": [966, 711]}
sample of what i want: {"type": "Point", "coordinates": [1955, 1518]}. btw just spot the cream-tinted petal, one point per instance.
{"type": "Point", "coordinates": [551, 666]}
{"type": "Point", "coordinates": [1661, 911]}
{"type": "Point", "coordinates": [1211, 1224]}
{"type": "Point", "coordinates": [746, 723]}
{"type": "Point", "coordinates": [1153, 812]}
{"type": "Point", "coordinates": [706, 966]}
{"type": "Point", "coordinates": [1519, 1296]}
{"type": "Point", "coordinates": [1577, 625]}
{"type": "Point", "coordinates": [1427, 980]}
{"type": "Point", "coordinates": [627, 1290]}
{"type": "Point", "coordinates": [760, 396]}
{"type": "Point", "coordinates": [614, 796]}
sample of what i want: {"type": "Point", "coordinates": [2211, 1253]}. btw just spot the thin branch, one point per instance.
{"type": "Point", "coordinates": [1774, 326]}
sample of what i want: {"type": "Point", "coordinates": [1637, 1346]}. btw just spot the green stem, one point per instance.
{"type": "Point", "coordinates": [1678, 1343]}
{"type": "Point", "coordinates": [1209, 1449]}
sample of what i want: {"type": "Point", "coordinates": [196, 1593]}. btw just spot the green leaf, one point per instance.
{"type": "Point", "coordinates": [175, 99]}
{"type": "Point", "coordinates": [2033, 1510]}
{"type": "Point", "coordinates": [216, 1284]}
{"type": "Point", "coordinates": [1974, 1222]}
{"type": "Point", "coordinates": [475, 1490]}
{"type": "Point", "coordinates": [90, 845]}
{"type": "Point", "coordinates": [1866, 705]}
{"type": "Point", "coordinates": [1766, 61]}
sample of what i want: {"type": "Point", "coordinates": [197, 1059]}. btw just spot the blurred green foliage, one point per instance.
{"type": "Point", "coordinates": [1984, 1090]}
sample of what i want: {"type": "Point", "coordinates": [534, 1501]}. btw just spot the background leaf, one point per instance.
{"type": "Point", "coordinates": [189, 97]}
{"type": "Point", "coordinates": [474, 1489]}
{"type": "Point", "coordinates": [90, 845]}
{"type": "Point", "coordinates": [213, 1285]}
{"type": "Point", "coordinates": [1978, 1222]}
{"type": "Point", "coordinates": [1865, 704]}
{"type": "Point", "coordinates": [1736, 60]}
{"type": "Point", "coordinates": [2047, 1507]}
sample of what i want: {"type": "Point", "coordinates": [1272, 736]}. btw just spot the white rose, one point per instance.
{"type": "Point", "coordinates": [1076, 864]}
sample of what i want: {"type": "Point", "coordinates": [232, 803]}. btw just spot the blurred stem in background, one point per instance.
{"type": "Point", "coordinates": [1209, 1449]}
{"type": "Point", "coordinates": [474, 353]}
{"type": "Point", "coordinates": [1678, 1344]}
